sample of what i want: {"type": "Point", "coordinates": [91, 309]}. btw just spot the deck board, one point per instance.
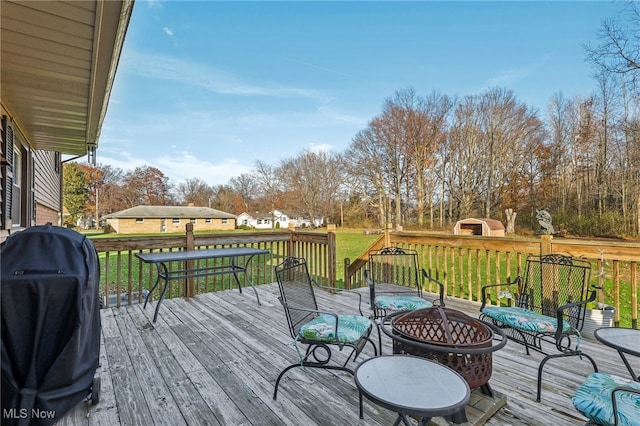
{"type": "Point", "coordinates": [213, 359]}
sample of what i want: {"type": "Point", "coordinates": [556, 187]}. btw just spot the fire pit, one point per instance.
{"type": "Point", "coordinates": [450, 337]}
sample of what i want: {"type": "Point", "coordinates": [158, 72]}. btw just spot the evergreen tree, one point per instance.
{"type": "Point", "coordinates": [75, 191]}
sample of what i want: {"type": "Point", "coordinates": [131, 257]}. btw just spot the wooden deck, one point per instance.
{"type": "Point", "coordinates": [213, 360]}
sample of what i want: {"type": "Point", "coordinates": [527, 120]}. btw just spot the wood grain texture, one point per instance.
{"type": "Point", "coordinates": [213, 360]}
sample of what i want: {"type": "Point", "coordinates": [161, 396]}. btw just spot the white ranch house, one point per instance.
{"type": "Point", "coordinates": [278, 219]}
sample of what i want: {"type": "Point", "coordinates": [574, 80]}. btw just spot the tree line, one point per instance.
{"type": "Point", "coordinates": [427, 161]}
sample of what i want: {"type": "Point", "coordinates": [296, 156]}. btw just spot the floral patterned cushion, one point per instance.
{"type": "Point", "coordinates": [593, 399]}
{"type": "Point", "coordinates": [402, 303]}
{"type": "Point", "coordinates": [323, 327]}
{"type": "Point", "coordinates": [524, 319]}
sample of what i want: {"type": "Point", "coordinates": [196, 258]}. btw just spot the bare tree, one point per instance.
{"type": "Point", "coordinates": [464, 158]}
{"type": "Point", "coordinates": [560, 133]}
{"type": "Point", "coordinates": [618, 48]}
{"type": "Point", "coordinates": [424, 123]}
{"type": "Point", "coordinates": [390, 133]}
{"type": "Point", "coordinates": [269, 184]}
{"type": "Point", "coordinates": [507, 127]}
{"type": "Point", "coordinates": [606, 98]}
{"type": "Point", "coordinates": [315, 178]}
{"type": "Point", "coordinates": [365, 163]}
{"type": "Point", "coordinates": [245, 188]}
{"type": "Point", "coordinates": [195, 191]}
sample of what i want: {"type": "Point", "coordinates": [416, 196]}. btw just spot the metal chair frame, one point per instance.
{"type": "Point", "coordinates": [300, 306]}
{"type": "Point", "coordinates": [556, 286]}
{"type": "Point", "coordinates": [395, 271]}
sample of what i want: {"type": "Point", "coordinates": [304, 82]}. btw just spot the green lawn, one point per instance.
{"type": "Point", "coordinates": [351, 243]}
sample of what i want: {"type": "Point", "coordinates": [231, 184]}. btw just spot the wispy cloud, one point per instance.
{"type": "Point", "coordinates": [169, 32]}
{"type": "Point", "coordinates": [178, 166]}
{"type": "Point", "coordinates": [210, 78]}
{"type": "Point", "coordinates": [186, 165]}
{"type": "Point", "coordinates": [514, 75]}
{"type": "Point", "coordinates": [325, 147]}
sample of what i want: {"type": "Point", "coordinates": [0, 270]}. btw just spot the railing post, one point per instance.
{"type": "Point", "coordinates": [347, 282]}
{"type": "Point", "coordinates": [387, 235]}
{"type": "Point", "coordinates": [290, 249]}
{"type": "Point", "coordinates": [545, 244]}
{"type": "Point", "coordinates": [331, 254]}
{"type": "Point", "coordinates": [189, 290]}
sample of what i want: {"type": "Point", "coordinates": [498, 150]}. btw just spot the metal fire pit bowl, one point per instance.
{"type": "Point", "coordinates": [450, 337]}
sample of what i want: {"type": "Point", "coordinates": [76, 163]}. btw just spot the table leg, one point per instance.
{"type": "Point", "coordinates": [246, 277]}
{"type": "Point", "coordinates": [146, 300]}
{"type": "Point", "coordinates": [626, 363]}
{"type": "Point", "coordinates": [164, 290]}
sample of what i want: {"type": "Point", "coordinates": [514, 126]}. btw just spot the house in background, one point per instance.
{"type": "Point", "coordinates": [59, 61]}
{"type": "Point", "coordinates": [277, 220]}
{"type": "Point", "coordinates": [154, 219]}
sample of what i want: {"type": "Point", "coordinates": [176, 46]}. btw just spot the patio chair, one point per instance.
{"type": "Point", "coordinates": [321, 331]}
{"type": "Point", "coordinates": [554, 291]}
{"type": "Point", "coordinates": [395, 285]}
{"type": "Point", "coordinates": [608, 400]}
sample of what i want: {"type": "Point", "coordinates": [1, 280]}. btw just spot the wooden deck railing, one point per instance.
{"type": "Point", "coordinates": [465, 263]}
{"type": "Point", "coordinates": [462, 263]}
{"type": "Point", "coordinates": [125, 279]}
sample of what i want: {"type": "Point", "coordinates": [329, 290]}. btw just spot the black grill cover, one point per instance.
{"type": "Point", "coordinates": [50, 323]}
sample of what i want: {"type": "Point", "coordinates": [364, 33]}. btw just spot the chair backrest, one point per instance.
{"type": "Point", "coordinates": [554, 280]}
{"type": "Point", "coordinates": [296, 290]}
{"type": "Point", "coordinates": [394, 265]}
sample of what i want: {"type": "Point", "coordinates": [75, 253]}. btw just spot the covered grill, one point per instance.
{"type": "Point", "coordinates": [50, 324]}
{"type": "Point", "coordinates": [450, 337]}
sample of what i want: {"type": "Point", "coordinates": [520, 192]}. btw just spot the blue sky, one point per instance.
{"type": "Point", "coordinates": [205, 88]}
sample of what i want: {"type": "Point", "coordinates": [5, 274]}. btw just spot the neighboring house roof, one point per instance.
{"type": "Point", "coordinates": [170, 211]}
{"type": "Point", "coordinates": [59, 61]}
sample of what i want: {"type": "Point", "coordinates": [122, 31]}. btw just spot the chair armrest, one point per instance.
{"type": "Point", "coordinates": [484, 288]}
{"type": "Point", "coordinates": [341, 290]}
{"type": "Point", "coordinates": [561, 309]}
{"type": "Point", "coordinates": [440, 285]}
{"type": "Point", "coordinates": [298, 308]}
{"type": "Point", "coordinates": [620, 389]}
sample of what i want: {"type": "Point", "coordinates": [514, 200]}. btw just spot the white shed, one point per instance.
{"type": "Point", "coordinates": [483, 226]}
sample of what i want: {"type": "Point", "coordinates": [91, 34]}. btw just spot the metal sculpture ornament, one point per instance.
{"type": "Point", "coordinates": [544, 219]}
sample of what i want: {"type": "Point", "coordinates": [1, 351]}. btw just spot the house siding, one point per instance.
{"type": "Point", "coordinates": [40, 197]}
{"type": "Point", "coordinates": [48, 185]}
{"type": "Point", "coordinates": [154, 225]}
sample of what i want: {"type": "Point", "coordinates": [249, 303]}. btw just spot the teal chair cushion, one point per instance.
{"type": "Point", "coordinates": [322, 328]}
{"type": "Point", "coordinates": [402, 303]}
{"type": "Point", "coordinates": [524, 319]}
{"type": "Point", "coordinates": [593, 399]}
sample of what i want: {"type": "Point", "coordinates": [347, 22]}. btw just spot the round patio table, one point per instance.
{"type": "Point", "coordinates": [623, 340]}
{"type": "Point", "coordinates": [411, 386]}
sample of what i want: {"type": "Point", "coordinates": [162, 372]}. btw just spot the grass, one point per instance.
{"type": "Point", "coordinates": [351, 243]}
